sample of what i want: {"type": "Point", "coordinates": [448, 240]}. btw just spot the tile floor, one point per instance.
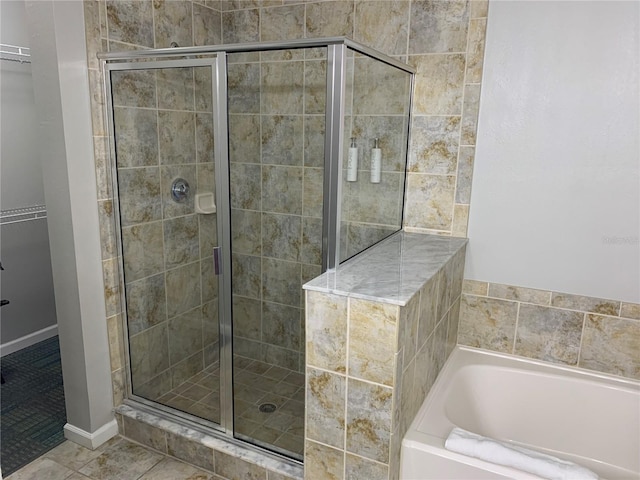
{"type": "Point", "coordinates": [118, 459]}
{"type": "Point", "coordinates": [255, 383]}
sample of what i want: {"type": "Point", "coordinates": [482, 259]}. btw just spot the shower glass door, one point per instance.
{"type": "Point", "coordinates": [163, 126]}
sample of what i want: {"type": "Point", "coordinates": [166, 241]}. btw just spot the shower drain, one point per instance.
{"type": "Point", "coordinates": [267, 408]}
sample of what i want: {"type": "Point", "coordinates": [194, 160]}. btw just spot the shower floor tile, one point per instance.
{"type": "Point", "coordinates": [255, 383]}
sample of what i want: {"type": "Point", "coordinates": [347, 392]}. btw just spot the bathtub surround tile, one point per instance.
{"type": "Point", "coordinates": [556, 327]}
{"type": "Point", "coordinates": [585, 304]}
{"type": "Point", "coordinates": [487, 323]}
{"type": "Point", "coordinates": [526, 295]}
{"type": "Point", "coordinates": [611, 345]}
{"type": "Point", "coordinates": [548, 334]}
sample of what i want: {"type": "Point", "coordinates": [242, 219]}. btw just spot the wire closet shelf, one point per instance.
{"type": "Point", "coordinates": [13, 53]}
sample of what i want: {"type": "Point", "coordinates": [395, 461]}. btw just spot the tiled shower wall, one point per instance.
{"type": "Point", "coordinates": [593, 333]}
{"type": "Point", "coordinates": [276, 130]}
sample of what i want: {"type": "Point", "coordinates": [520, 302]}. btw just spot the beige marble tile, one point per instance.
{"type": "Point", "coordinates": [549, 334]}
{"type": "Point", "coordinates": [470, 111]}
{"type": "Point", "coordinates": [103, 168]}
{"type": "Point", "coordinates": [92, 32]}
{"type": "Point", "coordinates": [325, 407]}
{"type": "Point", "coordinates": [282, 189]}
{"type": "Point", "coordinates": [208, 234]}
{"type": "Point", "coordinates": [329, 19]}
{"type": "Point", "coordinates": [123, 460]}
{"type": "Point", "coordinates": [134, 88]}
{"type": "Point", "coordinates": [460, 220]}
{"type": "Point", "coordinates": [185, 335]}
{"type": "Point", "coordinates": [241, 26]}
{"type": "Point", "coordinates": [323, 462]}
{"type": "Point", "coordinates": [282, 139]}
{"type": "Point", "coordinates": [372, 320]}
{"type": "Point", "coordinates": [281, 325]}
{"type": "Point", "coordinates": [282, 87]}
{"type": "Point", "coordinates": [630, 310]}
{"type": "Point", "coordinates": [146, 434]}
{"type": "Point", "coordinates": [181, 241]}
{"type": "Point", "coordinates": [391, 132]}
{"type": "Point", "coordinates": [408, 327]}
{"type": "Point", "coordinates": [313, 191]}
{"type": "Point", "coordinates": [326, 330]}
{"type": "Point", "coordinates": [244, 88]}
{"type": "Point", "coordinates": [358, 467]}
{"type": "Point", "coordinates": [244, 138]}
{"type": "Point", "coordinates": [479, 8]}
{"type": "Point", "coordinates": [97, 103]}
{"type": "Point", "coordinates": [233, 467]}
{"type": "Point", "coordinates": [207, 26]}
{"type": "Point", "coordinates": [131, 21]}
{"type": "Point", "coordinates": [438, 26]}
{"type": "Point", "coordinates": [281, 282]}
{"type": "Point", "coordinates": [315, 86]}
{"type": "Point", "coordinates": [149, 354]}
{"type": "Point", "coordinates": [464, 175]}
{"type": "Point", "coordinates": [585, 304]}
{"type": "Point", "coordinates": [172, 23]}
{"type": "Point", "coordinates": [475, 287]}
{"type": "Point", "coordinates": [140, 198]}
{"type": "Point", "coordinates": [107, 229]}
{"type": "Point", "coordinates": [175, 88]}
{"type": "Point", "coordinates": [118, 386]}
{"type": "Point", "coordinates": [146, 303]}
{"type": "Point", "coordinates": [314, 130]}
{"type": "Point", "coordinates": [111, 277]}
{"type": "Point", "coordinates": [247, 274]}
{"type": "Point", "coordinates": [116, 336]}
{"type": "Point", "coordinates": [362, 200]}
{"type": "Point", "coordinates": [177, 134]}
{"type": "Point", "coordinates": [282, 23]}
{"type": "Point", "coordinates": [369, 420]}
{"type": "Point", "coordinates": [202, 89]}
{"type": "Point", "coordinates": [311, 251]}
{"type": "Point", "coordinates": [430, 201]}
{"type": "Point", "coordinates": [183, 289]}
{"type": "Point", "coordinates": [434, 145]}
{"type": "Point", "coordinates": [244, 184]}
{"type": "Point", "coordinates": [379, 89]}
{"type": "Point", "coordinates": [382, 25]}
{"type": "Point", "coordinates": [42, 469]}
{"type": "Point", "coordinates": [190, 451]}
{"type": "Point", "coordinates": [487, 323]}
{"type": "Point", "coordinates": [72, 455]}
{"type": "Point", "coordinates": [439, 84]}
{"type": "Point", "coordinates": [245, 231]}
{"type": "Point", "coordinates": [522, 294]}
{"type": "Point", "coordinates": [611, 345]}
{"type": "Point", "coordinates": [142, 250]}
{"type": "Point", "coordinates": [475, 52]}
{"type": "Point", "coordinates": [428, 311]}
{"type": "Point", "coordinates": [170, 469]}
{"type": "Point", "coordinates": [209, 280]}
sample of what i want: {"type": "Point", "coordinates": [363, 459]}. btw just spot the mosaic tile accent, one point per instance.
{"type": "Point", "coordinates": [593, 333]}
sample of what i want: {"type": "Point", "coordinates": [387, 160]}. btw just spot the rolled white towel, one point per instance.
{"type": "Point", "coordinates": [494, 451]}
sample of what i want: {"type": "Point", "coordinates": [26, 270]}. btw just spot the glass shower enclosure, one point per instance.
{"type": "Point", "coordinates": [234, 184]}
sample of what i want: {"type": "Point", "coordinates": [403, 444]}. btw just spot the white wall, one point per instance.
{"type": "Point", "coordinates": [24, 246]}
{"type": "Point", "coordinates": [555, 203]}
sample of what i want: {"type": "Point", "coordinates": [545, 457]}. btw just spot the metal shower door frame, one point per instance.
{"type": "Point", "coordinates": [218, 65]}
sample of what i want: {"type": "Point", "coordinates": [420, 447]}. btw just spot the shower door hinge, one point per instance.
{"type": "Point", "coordinates": [217, 260]}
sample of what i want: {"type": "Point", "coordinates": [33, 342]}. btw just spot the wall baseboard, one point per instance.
{"type": "Point", "coordinates": [28, 340]}
{"type": "Point", "coordinates": [91, 440]}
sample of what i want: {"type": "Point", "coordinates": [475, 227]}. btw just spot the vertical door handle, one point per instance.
{"type": "Point", "coordinates": [217, 260]}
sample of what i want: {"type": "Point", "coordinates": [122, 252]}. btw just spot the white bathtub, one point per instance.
{"type": "Point", "coordinates": [587, 418]}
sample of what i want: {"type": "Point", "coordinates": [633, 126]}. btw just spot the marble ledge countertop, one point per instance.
{"type": "Point", "coordinates": [391, 271]}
